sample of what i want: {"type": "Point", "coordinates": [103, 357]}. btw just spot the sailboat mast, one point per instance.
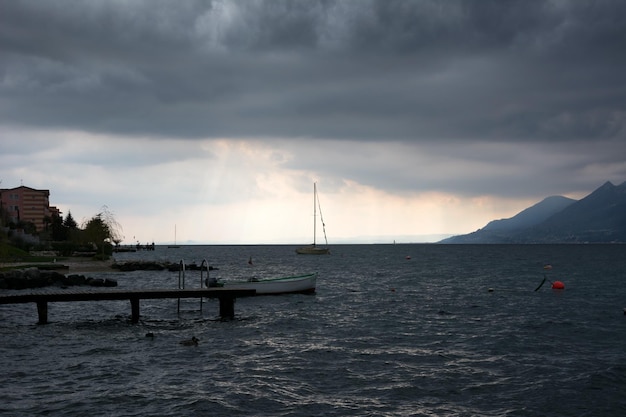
{"type": "Point", "coordinates": [314, 211]}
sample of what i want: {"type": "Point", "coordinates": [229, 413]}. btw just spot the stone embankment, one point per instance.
{"type": "Point", "coordinates": [157, 266]}
{"type": "Point", "coordinates": [20, 279]}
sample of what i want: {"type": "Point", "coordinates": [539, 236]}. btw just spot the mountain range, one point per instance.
{"type": "Point", "coordinates": [600, 217]}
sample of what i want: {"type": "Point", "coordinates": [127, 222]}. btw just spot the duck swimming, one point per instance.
{"type": "Point", "coordinates": [191, 342]}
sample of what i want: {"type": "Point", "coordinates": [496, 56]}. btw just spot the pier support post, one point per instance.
{"type": "Point", "coordinates": [134, 310]}
{"type": "Point", "coordinates": [42, 312]}
{"type": "Point", "coordinates": [227, 307]}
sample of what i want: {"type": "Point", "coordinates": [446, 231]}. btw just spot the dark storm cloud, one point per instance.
{"type": "Point", "coordinates": [377, 70]}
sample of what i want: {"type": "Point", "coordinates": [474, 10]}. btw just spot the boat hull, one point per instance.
{"type": "Point", "coordinates": [302, 284]}
{"type": "Point", "coordinates": [312, 250]}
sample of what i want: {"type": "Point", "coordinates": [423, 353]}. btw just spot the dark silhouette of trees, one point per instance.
{"type": "Point", "coordinates": [58, 232]}
{"type": "Point", "coordinates": [96, 235]}
{"type": "Point", "coordinates": [102, 230]}
{"type": "Point", "coordinates": [69, 221]}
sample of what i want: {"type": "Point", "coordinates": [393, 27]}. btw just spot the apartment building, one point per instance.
{"type": "Point", "coordinates": [28, 205]}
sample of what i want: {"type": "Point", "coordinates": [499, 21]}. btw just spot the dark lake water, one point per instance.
{"type": "Point", "coordinates": [383, 336]}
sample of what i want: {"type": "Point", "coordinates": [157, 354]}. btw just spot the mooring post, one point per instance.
{"type": "Point", "coordinates": [134, 310]}
{"type": "Point", "coordinates": [42, 312]}
{"type": "Point", "coordinates": [227, 307]}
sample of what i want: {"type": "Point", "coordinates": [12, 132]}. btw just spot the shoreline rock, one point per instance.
{"type": "Point", "coordinates": [157, 266]}
{"type": "Point", "coordinates": [21, 279]}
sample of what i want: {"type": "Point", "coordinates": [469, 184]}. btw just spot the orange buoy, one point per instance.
{"type": "Point", "coordinates": [558, 285]}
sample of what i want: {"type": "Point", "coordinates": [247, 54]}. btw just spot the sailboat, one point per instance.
{"type": "Point", "coordinates": [174, 246]}
{"type": "Point", "coordinates": [314, 249]}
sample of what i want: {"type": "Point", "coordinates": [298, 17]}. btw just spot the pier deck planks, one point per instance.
{"type": "Point", "coordinates": [43, 296]}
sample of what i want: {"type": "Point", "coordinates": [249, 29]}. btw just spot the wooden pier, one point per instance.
{"type": "Point", "coordinates": [43, 297]}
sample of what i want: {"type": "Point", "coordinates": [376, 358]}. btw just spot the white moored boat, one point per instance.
{"type": "Point", "coordinates": [314, 249]}
{"type": "Point", "coordinates": [303, 284]}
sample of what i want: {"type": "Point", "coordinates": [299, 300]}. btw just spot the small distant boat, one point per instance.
{"type": "Point", "coordinates": [174, 246]}
{"type": "Point", "coordinates": [299, 284]}
{"type": "Point", "coordinates": [314, 249]}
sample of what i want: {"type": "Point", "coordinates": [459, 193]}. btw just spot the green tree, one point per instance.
{"type": "Point", "coordinates": [101, 230]}
{"type": "Point", "coordinates": [28, 227]}
{"type": "Point", "coordinates": [69, 221]}
{"type": "Point", "coordinates": [60, 233]}
{"type": "Point", "coordinates": [95, 230]}
{"type": "Point", "coordinates": [73, 233]}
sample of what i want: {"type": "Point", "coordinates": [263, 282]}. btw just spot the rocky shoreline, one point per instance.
{"type": "Point", "coordinates": [158, 266]}
{"type": "Point", "coordinates": [21, 279]}
{"type": "Point", "coordinates": [36, 276]}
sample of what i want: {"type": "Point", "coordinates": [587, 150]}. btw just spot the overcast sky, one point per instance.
{"type": "Point", "coordinates": [216, 117]}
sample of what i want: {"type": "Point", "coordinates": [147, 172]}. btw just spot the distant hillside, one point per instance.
{"type": "Point", "coordinates": [531, 216]}
{"type": "Point", "coordinates": [598, 218]}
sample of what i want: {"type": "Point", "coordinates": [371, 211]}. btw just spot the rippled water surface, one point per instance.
{"type": "Point", "coordinates": [383, 336]}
